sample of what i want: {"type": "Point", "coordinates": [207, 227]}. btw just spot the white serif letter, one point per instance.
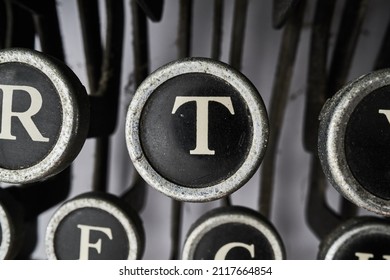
{"type": "Point", "coordinates": [202, 118]}
{"type": "Point", "coordinates": [85, 243]}
{"type": "Point", "coordinates": [368, 256]}
{"type": "Point", "coordinates": [224, 250]}
{"type": "Point", "coordinates": [24, 117]}
{"type": "Point", "coordinates": [386, 113]}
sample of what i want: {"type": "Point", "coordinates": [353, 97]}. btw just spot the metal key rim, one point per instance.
{"type": "Point", "coordinates": [249, 94]}
{"type": "Point", "coordinates": [233, 215]}
{"type": "Point", "coordinates": [101, 204]}
{"type": "Point", "coordinates": [333, 123]}
{"type": "Point", "coordinates": [60, 155]}
{"type": "Point", "coordinates": [6, 236]}
{"type": "Point", "coordinates": [355, 227]}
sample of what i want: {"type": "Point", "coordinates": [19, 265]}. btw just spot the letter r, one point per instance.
{"type": "Point", "coordinates": [24, 117]}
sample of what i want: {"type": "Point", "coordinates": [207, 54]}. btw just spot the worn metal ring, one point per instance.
{"type": "Point", "coordinates": [331, 146]}
{"type": "Point", "coordinates": [105, 205]}
{"type": "Point", "coordinates": [6, 236]}
{"type": "Point", "coordinates": [256, 109]}
{"type": "Point", "coordinates": [75, 116]}
{"type": "Point", "coordinates": [354, 228]}
{"type": "Point", "coordinates": [232, 215]}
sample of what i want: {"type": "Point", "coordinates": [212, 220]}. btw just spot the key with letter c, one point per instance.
{"type": "Point", "coordinates": [233, 233]}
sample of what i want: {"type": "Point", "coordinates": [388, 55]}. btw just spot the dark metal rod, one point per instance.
{"type": "Point", "coordinates": [93, 52]}
{"type": "Point", "coordinates": [176, 220]}
{"type": "Point", "coordinates": [238, 33]}
{"type": "Point", "coordinates": [152, 8]}
{"type": "Point", "coordinates": [46, 24]}
{"type": "Point", "coordinates": [48, 29]}
{"type": "Point", "coordinates": [347, 37]}
{"type": "Point", "coordinates": [226, 201]}
{"type": "Point", "coordinates": [281, 11]}
{"type": "Point", "coordinates": [104, 104]}
{"type": "Point", "coordinates": [383, 57]}
{"type": "Point", "coordinates": [136, 195]}
{"type": "Point", "coordinates": [217, 30]}
{"type": "Point", "coordinates": [316, 91]}
{"type": "Point", "coordinates": [92, 41]}
{"type": "Point", "coordinates": [108, 90]}
{"type": "Point", "coordinates": [20, 27]}
{"type": "Point", "coordinates": [320, 218]}
{"type": "Point", "coordinates": [140, 43]}
{"type": "Point", "coordinates": [280, 90]}
{"type": "Point", "coordinates": [184, 31]}
{"type": "Point", "coordinates": [3, 23]}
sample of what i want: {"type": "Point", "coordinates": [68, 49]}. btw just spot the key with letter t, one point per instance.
{"type": "Point", "coordinates": [196, 129]}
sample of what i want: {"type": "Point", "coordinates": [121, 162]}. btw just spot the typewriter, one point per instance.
{"type": "Point", "coordinates": [188, 129]}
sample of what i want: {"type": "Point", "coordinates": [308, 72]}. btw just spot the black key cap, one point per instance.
{"type": "Point", "coordinates": [354, 137]}
{"type": "Point", "coordinates": [95, 226]}
{"type": "Point", "coordinates": [233, 233]}
{"type": "Point", "coordinates": [196, 129]}
{"type": "Point", "coordinates": [362, 238]}
{"type": "Point", "coordinates": [44, 116]}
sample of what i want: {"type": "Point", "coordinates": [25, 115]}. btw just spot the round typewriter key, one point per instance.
{"type": "Point", "coordinates": [354, 138]}
{"type": "Point", "coordinates": [5, 233]}
{"type": "Point", "coordinates": [95, 227]}
{"type": "Point", "coordinates": [196, 129]}
{"type": "Point", "coordinates": [44, 116]}
{"type": "Point", "coordinates": [363, 238]}
{"type": "Point", "coordinates": [10, 226]}
{"type": "Point", "coordinates": [233, 233]}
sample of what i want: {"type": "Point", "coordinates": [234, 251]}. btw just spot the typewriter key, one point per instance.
{"type": "Point", "coordinates": [44, 116]}
{"type": "Point", "coordinates": [11, 222]}
{"type": "Point", "coordinates": [353, 141]}
{"type": "Point", "coordinates": [95, 226]}
{"type": "Point", "coordinates": [362, 238]}
{"type": "Point", "coordinates": [233, 233]}
{"type": "Point", "coordinates": [19, 208]}
{"type": "Point", "coordinates": [196, 129]}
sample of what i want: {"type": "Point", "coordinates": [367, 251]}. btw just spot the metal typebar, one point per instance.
{"type": "Point", "coordinates": [281, 86]}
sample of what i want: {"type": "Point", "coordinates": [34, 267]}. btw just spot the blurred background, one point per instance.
{"type": "Point", "coordinates": [257, 53]}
